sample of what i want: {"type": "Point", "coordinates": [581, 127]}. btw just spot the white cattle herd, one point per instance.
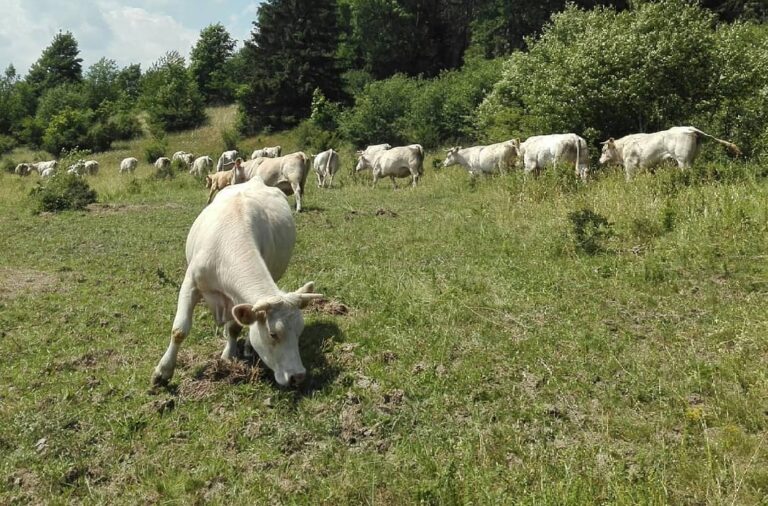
{"type": "Point", "coordinates": [240, 244]}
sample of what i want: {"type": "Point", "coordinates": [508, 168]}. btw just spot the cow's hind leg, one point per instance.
{"type": "Point", "coordinates": [189, 296]}
{"type": "Point", "coordinates": [297, 194]}
{"type": "Point", "coordinates": [231, 332]}
{"type": "Point", "coordinates": [394, 184]}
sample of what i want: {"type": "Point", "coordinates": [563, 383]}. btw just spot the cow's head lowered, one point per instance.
{"type": "Point", "coordinates": [276, 324]}
{"type": "Point", "coordinates": [363, 162]}
{"type": "Point", "coordinates": [610, 153]}
{"type": "Point", "coordinates": [451, 156]}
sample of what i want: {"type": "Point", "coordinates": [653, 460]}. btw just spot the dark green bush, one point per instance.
{"type": "Point", "coordinates": [156, 149]}
{"type": "Point", "coordinates": [231, 138]}
{"type": "Point", "coordinates": [590, 230]}
{"type": "Point", "coordinates": [313, 138]}
{"type": "Point", "coordinates": [62, 192]}
{"type": "Point", "coordinates": [7, 165]}
{"type": "Point", "coordinates": [7, 144]}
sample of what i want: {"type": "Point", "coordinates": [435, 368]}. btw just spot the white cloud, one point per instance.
{"type": "Point", "coordinates": [139, 36]}
{"type": "Point", "coordinates": [127, 31]}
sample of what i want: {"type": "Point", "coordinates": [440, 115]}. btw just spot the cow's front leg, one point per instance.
{"type": "Point", "coordinates": [394, 183]}
{"type": "Point", "coordinates": [189, 296]}
{"type": "Point", "coordinates": [231, 333]}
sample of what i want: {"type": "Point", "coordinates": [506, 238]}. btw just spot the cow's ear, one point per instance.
{"type": "Point", "coordinates": [246, 314]}
{"type": "Point", "coordinates": [307, 288]}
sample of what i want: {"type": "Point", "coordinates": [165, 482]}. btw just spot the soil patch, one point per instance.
{"type": "Point", "coordinates": [104, 208]}
{"type": "Point", "coordinates": [328, 306]}
{"type": "Point", "coordinates": [16, 282]}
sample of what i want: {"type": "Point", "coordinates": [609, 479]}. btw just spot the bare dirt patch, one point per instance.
{"type": "Point", "coordinates": [329, 306]}
{"type": "Point", "coordinates": [15, 282]}
{"type": "Point", "coordinates": [217, 371]}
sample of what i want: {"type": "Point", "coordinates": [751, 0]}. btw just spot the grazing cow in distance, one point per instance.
{"type": "Point", "coordinates": [289, 173]}
{"type": "Point", "coordinates": [539, 151]}
{"type": "Point", "coordinates": [373, 148]}
{"type": "Point", "coordinates": [678, 144]}
{"type": "Point", "coordinates": [237, 249]}
{"type": "Point", "coordinates": [226, 160]}
{"type": "Point", "coordinates": [77, 168]}
{"type": "Point", "coordinates": [162, 163]}
{"type": "Point", "coordinates": [41, 167]}
{"type": "Point", "coordinates": [401, 161]}
{"type": "Point", "coordinates": [128, 165]}
{"type": "Point", "coordinates": [22, 169]}
{"type": "Point", "coordinates": [201, 166]}
{"type": "Point", "coordinates": [91, 167]}
{"type": "Point", "coordinates": [326, 165]}
{"type": "Point", "coordinates": [271, 152]}
{"type": "Point", "coordinates": [491, 159]}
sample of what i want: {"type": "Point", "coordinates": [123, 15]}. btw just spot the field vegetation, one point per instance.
{"type": "Point", "coordinates": [527, 341]}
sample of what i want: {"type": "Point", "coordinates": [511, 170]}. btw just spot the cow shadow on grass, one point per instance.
{"type": "Point", "coordinates": [314, 346]}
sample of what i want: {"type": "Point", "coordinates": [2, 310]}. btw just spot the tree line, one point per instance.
{"type": "Point", "coordinates": [432, 71]}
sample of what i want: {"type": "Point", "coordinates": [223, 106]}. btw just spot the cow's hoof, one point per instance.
{"type": "Point", "coordinates": [158, 380]}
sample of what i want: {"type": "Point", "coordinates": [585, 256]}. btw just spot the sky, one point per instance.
{"type": "Point", "coordinates": [127, 31]}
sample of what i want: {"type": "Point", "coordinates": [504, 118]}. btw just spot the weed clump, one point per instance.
{"type": "Point", "coordinates": [62, 192]}
{"type": "Point", "coordinates": [590, 230]}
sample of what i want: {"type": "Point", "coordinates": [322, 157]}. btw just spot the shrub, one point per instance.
{"type": "Point", "coordinates": [589, 230]}
{"type": "Point", "coordinates": [7, 165]}
{"type": "Point", "coordinates": [156, 148]}
{"type": "Point", "coordinates": [62, 192]}
{"type": "Point", "coordinates": [7, 144]}
{"type": "Point", "coordinates": [67, 130]}
{"type": "Point", "coordinates": [230, 137]}
{"type": "Point", "coordinates": [617, 73]}
{"type": "Point", "coordinates": [314, 138]}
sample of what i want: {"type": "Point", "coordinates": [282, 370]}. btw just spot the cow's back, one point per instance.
{"type": "Point", "coordinates": [242, 217]}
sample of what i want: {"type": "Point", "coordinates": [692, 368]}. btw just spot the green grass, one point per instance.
{"type": "Point", "coordinates": [487, 358]}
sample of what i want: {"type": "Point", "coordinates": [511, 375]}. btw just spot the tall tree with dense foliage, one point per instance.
{"type": "Point", "coordinates": [209, 64]}
{"type": "Point", "coordinates": [59, 64]}
{"type": "Point", "coordinates": [171, 99]}
{"type": "Point", "coordinates": [291, 52]}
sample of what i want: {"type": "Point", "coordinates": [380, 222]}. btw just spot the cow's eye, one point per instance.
{"type": "Point", "coordinates": [273, 335]}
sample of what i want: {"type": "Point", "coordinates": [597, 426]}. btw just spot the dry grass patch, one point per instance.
{"type": "Point", "coordinates": [15, 282]}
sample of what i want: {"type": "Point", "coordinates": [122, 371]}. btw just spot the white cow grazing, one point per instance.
{"type": "Point", "coordinates": [41, 167]}
{"type": "Point", "coordinates": [401, 161]}
{"type": "Point", "coordinates": [539, 151]}
{"type": "Point", "coordinates": [237, 248]}
{"type": "Point", "coordinates": [177, 155]}
{"type": "Point", "coordinates": [91, 167]}
{"type": "Point", "coordinates": [201, 166]}
{"type": "Point", "coordinates": [326, 165]}
{"type": "Point", "coordinates": [128, 165]}
{"type": "Point", "coordinates": [678, 144]}
{"type": "Point", "coordinates": [490, 159]}
{"type": "Point", "coordinates": [226, 160]}
{"type": "Point", "coordinates": [162, 163]}
{"type": "Point", "coordinates": [289, 173]}
{"type": "Point", "coordinates": [271, 152]}
{"type": "Point", "coordinates": [50, 171]}
{"type": "Point", "coordinates": [22, 169]}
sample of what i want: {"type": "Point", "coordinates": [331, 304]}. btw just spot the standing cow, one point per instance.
{"type": "Point", "coordinates": [401, 161]}
{"type": "Point", "coordinates": [489, 159]}
{"type": "Point", "coordinates": [678, 144]}
{"type": "Point", "coordinates": [289, 173]}
{"type": "Point", "coordinates": [539, 151]}
{"type": "Point", "coordinates": [226, 160]}
{"type": "Point", "coordinates": [201, 166]}
{"type": "Point", "coordinates": [326, 165]}
{"type": "Point", "coordinates": [237, 248]}
{"type": "Point", "coordinates": [128, 165]}
{"type": "Point", "coordinates": [163, 163]}
{"type": "Point", "coordinates": [271, 152]}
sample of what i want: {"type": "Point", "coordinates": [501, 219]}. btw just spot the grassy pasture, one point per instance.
{"type": "Point", "coordinates": [494, 352]}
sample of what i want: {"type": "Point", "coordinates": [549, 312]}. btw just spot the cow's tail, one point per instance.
{"type": "Point", "coordinates": [328, 163]}
{"type": "Point", "coordinates": [733, 148]}
{"type": "Point", "coordinates": [421, 159]}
